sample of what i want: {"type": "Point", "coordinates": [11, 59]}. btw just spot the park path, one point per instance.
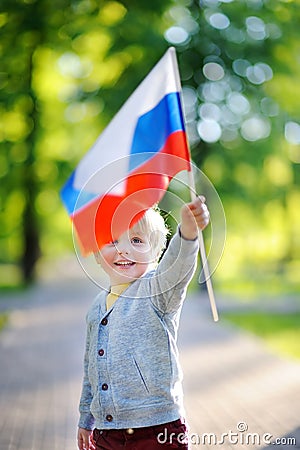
{"type": "Point", "coordinates": [232, 382]}
{"type": "Point", "coordinates": [234, 385]}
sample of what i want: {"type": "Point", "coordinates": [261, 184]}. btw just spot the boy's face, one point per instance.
{"type": "Point", "coordinates": [126, 259]}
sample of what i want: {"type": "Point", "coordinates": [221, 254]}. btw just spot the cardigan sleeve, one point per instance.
{"type": "Point", "coordinates": [86, 419]}
{"type": "Point", "coordinates": [174, 273]}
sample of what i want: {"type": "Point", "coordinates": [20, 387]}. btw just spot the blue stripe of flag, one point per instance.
{"type": "Point", "coordinates": [74, 199]}
{"type": "Point", "coordinates": [154, 127]}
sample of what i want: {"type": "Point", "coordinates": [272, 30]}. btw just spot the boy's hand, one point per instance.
{"type": "Point", "coordinates": [85, 439]}
{"type": "Point", "coordinates": [194, 215]}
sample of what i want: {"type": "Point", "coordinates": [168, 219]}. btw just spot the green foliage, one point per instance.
{"type": "Point", "coordinates": [68, 65]}
{"type": "Point", "coordinates": [66, 68]}
{"type": "Point", "coordinates": [280, 331]}
{"type": "Point", "coordinates": [239, 67]}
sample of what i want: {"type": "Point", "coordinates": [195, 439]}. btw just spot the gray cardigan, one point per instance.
{"type": "Point", "coordinates": [132, 376]}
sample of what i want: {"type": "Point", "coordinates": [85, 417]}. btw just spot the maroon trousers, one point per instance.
{"type": "Point", "coordinates": [168, 436]}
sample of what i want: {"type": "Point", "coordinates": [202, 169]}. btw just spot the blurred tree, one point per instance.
{"type": "Point", "coordinates": [22, 31]}
{"type": "Point", "coordinates": [68, 65]}
{"type": "Point", "coordinates": [63, 62]}
{"type": "Point", "coordinates": [239, 65]}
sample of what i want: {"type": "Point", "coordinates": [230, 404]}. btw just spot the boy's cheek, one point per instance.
{"type": "Point", "coordinates": [100, 258]}
{"type": "Point", "coordinates": [97, 257]}
{"type": "Point", "coordinates": [144, 256]}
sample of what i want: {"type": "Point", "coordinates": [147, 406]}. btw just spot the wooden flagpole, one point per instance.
{"type": "Point", "coordinates": [193, 196]}
{"type": "Point", "coordinates": [207, 274]}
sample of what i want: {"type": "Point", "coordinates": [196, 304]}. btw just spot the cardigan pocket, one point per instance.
{"type": "Point", "coordinates": [140, 373]}
{"type": "Point", "coordinates": [155, 373]}
{"type": "Point", "coordinates": [130, 389]}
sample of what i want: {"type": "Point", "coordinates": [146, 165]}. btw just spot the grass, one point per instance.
{"type": "Point", "coordinates": [3, 320]}
{"type": "Point", "coordinates": [281, 332]}
{"type": "Point", "coordinates": [10, 277]}
{"type": "Point", "coordinates": [250, 287]}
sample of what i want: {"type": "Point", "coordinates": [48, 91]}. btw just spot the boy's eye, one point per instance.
{"type": "Point", "coordinates": [136, 240]}
{"type": "Point", "coordinates": [113, 243]}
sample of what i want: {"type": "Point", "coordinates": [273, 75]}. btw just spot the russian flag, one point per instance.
{"type": "Point", "coordinates": [129, 167]}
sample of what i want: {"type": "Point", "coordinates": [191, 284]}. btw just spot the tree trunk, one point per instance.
{"type": "Point", "coordinates": [30, 221]}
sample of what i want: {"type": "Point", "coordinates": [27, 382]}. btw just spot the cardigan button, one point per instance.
{"type": "Point", "coordinates": [101, 352]}
{"type": "Point", "coordinates": [109, 418]}
{"type": "Point", "coordinates": [104, 387]}
{"type": "Point", "coordinates": [104, 321]}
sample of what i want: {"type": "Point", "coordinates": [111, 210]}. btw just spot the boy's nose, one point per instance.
{"type": "Point", "coordinates": [122, 249]}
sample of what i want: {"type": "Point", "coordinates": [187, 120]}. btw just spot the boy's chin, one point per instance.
{"type": "Point", "coordinates": [127, 277]}
{"type": "Point", "coordinates": [123, 278]}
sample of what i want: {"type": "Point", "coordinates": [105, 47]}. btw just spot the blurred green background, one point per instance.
{"type": "Point", "coordinates": [67, 66]}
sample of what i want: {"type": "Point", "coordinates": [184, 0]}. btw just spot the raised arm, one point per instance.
{"type": "Point", "coordinates": [178, 264]}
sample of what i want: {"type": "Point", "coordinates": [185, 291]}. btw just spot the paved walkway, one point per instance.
{"type": "Point", "coordinates": [232, 383]}
{"type": "Point", "coordinates": [235, 386]}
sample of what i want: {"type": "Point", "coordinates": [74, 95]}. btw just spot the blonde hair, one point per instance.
{"type": "Point", "coordinates": [153, 225]}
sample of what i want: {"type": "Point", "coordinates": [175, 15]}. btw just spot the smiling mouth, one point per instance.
{"type": "Point", "coordinates": [124, 264]}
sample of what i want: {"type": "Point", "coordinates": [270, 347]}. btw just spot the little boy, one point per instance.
{"type": "Point", "coordinates": [132, 389]}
